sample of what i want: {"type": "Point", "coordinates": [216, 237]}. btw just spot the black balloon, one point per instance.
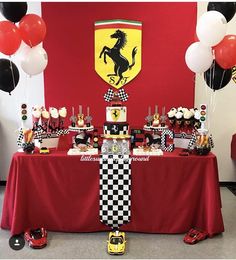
{"type": "Point", "coordinates": [228, 9]}
{"type": "Point", "coordinates": [9, 75]}
{"type": "Point", "coordinates": [217, 77]}
{"type": "Point", "coordinates": [13, 11]}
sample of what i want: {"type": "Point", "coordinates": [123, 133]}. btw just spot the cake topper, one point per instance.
{"type": "Point", "coordinates": [123, 95]}
{"type": "Point", "coordinates": [111, 95]}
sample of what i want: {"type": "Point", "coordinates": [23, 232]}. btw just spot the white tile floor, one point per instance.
{"type": "Point", "coordinates": [93, 245]}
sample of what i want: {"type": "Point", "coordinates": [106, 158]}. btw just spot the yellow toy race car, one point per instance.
{"type": "Point", "coordinates": [44, 150]}
{"type": "Point", "coordinates": [116, 243]}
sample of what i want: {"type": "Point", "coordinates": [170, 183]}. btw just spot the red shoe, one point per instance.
{"type": "Point", "coordinates": [37, 238]}
{"type": "Point", "coordinates": [194, 236]}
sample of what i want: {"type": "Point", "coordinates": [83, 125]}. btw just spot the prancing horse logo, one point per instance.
{"type": "Point", "coordinates": [115, 114]}
{"type": "Point", "coordinates": [115, 128]}
{"type": "Point", "coordinates": [118, 47]}
{"type": "Point", "coordinates": [121, 64]}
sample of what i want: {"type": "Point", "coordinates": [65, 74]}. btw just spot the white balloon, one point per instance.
{"type": "Point", "coordinates": [198, 57]}
{"type": "Point", "coordinates": [34, 60]}
{"type": "Point", "coordinates": [211, 28]}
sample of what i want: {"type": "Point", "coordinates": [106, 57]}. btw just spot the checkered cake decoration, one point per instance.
{"type": "Point", "coordinates": [116, 129]}
{"type": "Point", "coordinates": [164, 134]}
{"type": "Point", "coordinates": [123, 95]}
{"type": "Point", "coordinates": [115, 190]}
{"type": "Point", "coordinates": [62, 132]}
{"type": "Point", "coordinates": [109, 95]}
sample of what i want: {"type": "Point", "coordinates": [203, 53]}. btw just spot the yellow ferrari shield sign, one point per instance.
{"type": "Point", "coordinates": [118, 51]}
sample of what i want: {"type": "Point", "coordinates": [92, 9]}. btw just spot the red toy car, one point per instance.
{"type": "Point", "coordinates": [36, 238]}
{"type": "Point", "coordinates": [194, 236]}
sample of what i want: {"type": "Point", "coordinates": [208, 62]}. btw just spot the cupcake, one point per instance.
{"type": "Point", "coordinates": [188, 118]}
{"type": "Point", "coordinates": [179, 118]}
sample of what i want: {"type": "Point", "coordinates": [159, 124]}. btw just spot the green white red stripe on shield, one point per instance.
{"type": "Point", "coordinates": [110, 24]}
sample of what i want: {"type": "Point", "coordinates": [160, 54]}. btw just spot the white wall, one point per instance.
{"type": "Point", "coordinates": [30, 90]}
{"type": "Point", "coordinates": [221, 113]}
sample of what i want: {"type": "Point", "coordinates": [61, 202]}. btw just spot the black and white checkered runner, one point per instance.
{"type": "Point", "coordinates": [115, 190]}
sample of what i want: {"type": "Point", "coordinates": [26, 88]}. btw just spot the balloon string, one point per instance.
{"type": "Point", "coordinates": [208, 96]}
{"type": "Point", "coordinates": [222, 79]}
{"type": "Point", "coordinates": [212, 94]}
{"type": "Point", "coordinates": [27, 88]}
{"type": "Point", "coordinates": [12, 74]}
{"type": "Point", "coordinates": [213, 74]}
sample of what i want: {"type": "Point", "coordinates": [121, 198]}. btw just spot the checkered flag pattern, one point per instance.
{"type": "Point", "coordinates": [164, 135]}
{"type": "Point", "coordinates": [211, 141]}
{"type": "Point", "coordinates": [20, 137]}
{"type": "Point", "coordinates": [109, 95]}
{"type": "Point", "coordinates": [192, 141]}
{"type": "Point", "coordinates": [38, 135]}
{"type": "Point", "coordinates": [62, 132]}
{"type": "Point", "coordinates": [123, 95]}
{"type": "Point", "coordinates": [115, 190]}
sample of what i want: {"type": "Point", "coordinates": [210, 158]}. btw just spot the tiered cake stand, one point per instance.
{"type": "Point", "coordinates": [77, 151]}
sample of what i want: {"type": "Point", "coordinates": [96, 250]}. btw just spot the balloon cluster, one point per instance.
{"type": "Point", "coordinates": [32, 30]}
{"type": "Point", "coordinates": [215, 52]}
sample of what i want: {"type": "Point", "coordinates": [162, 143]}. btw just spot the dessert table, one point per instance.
{"type": "Point", "coordinates": [170, 193]}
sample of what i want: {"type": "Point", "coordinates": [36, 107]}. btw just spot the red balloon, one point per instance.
{"type": "Point", "coordinates": [32, 29]}
{"type": "Point", "coordinates": [225, 52]}
{"type": "Point", "coordinates": [10, 38]}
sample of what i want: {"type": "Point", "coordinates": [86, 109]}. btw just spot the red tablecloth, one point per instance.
{"type": "Point", "coordinates": [233, 147]}
{"type": "Point", "coordinates": [170, 194]}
